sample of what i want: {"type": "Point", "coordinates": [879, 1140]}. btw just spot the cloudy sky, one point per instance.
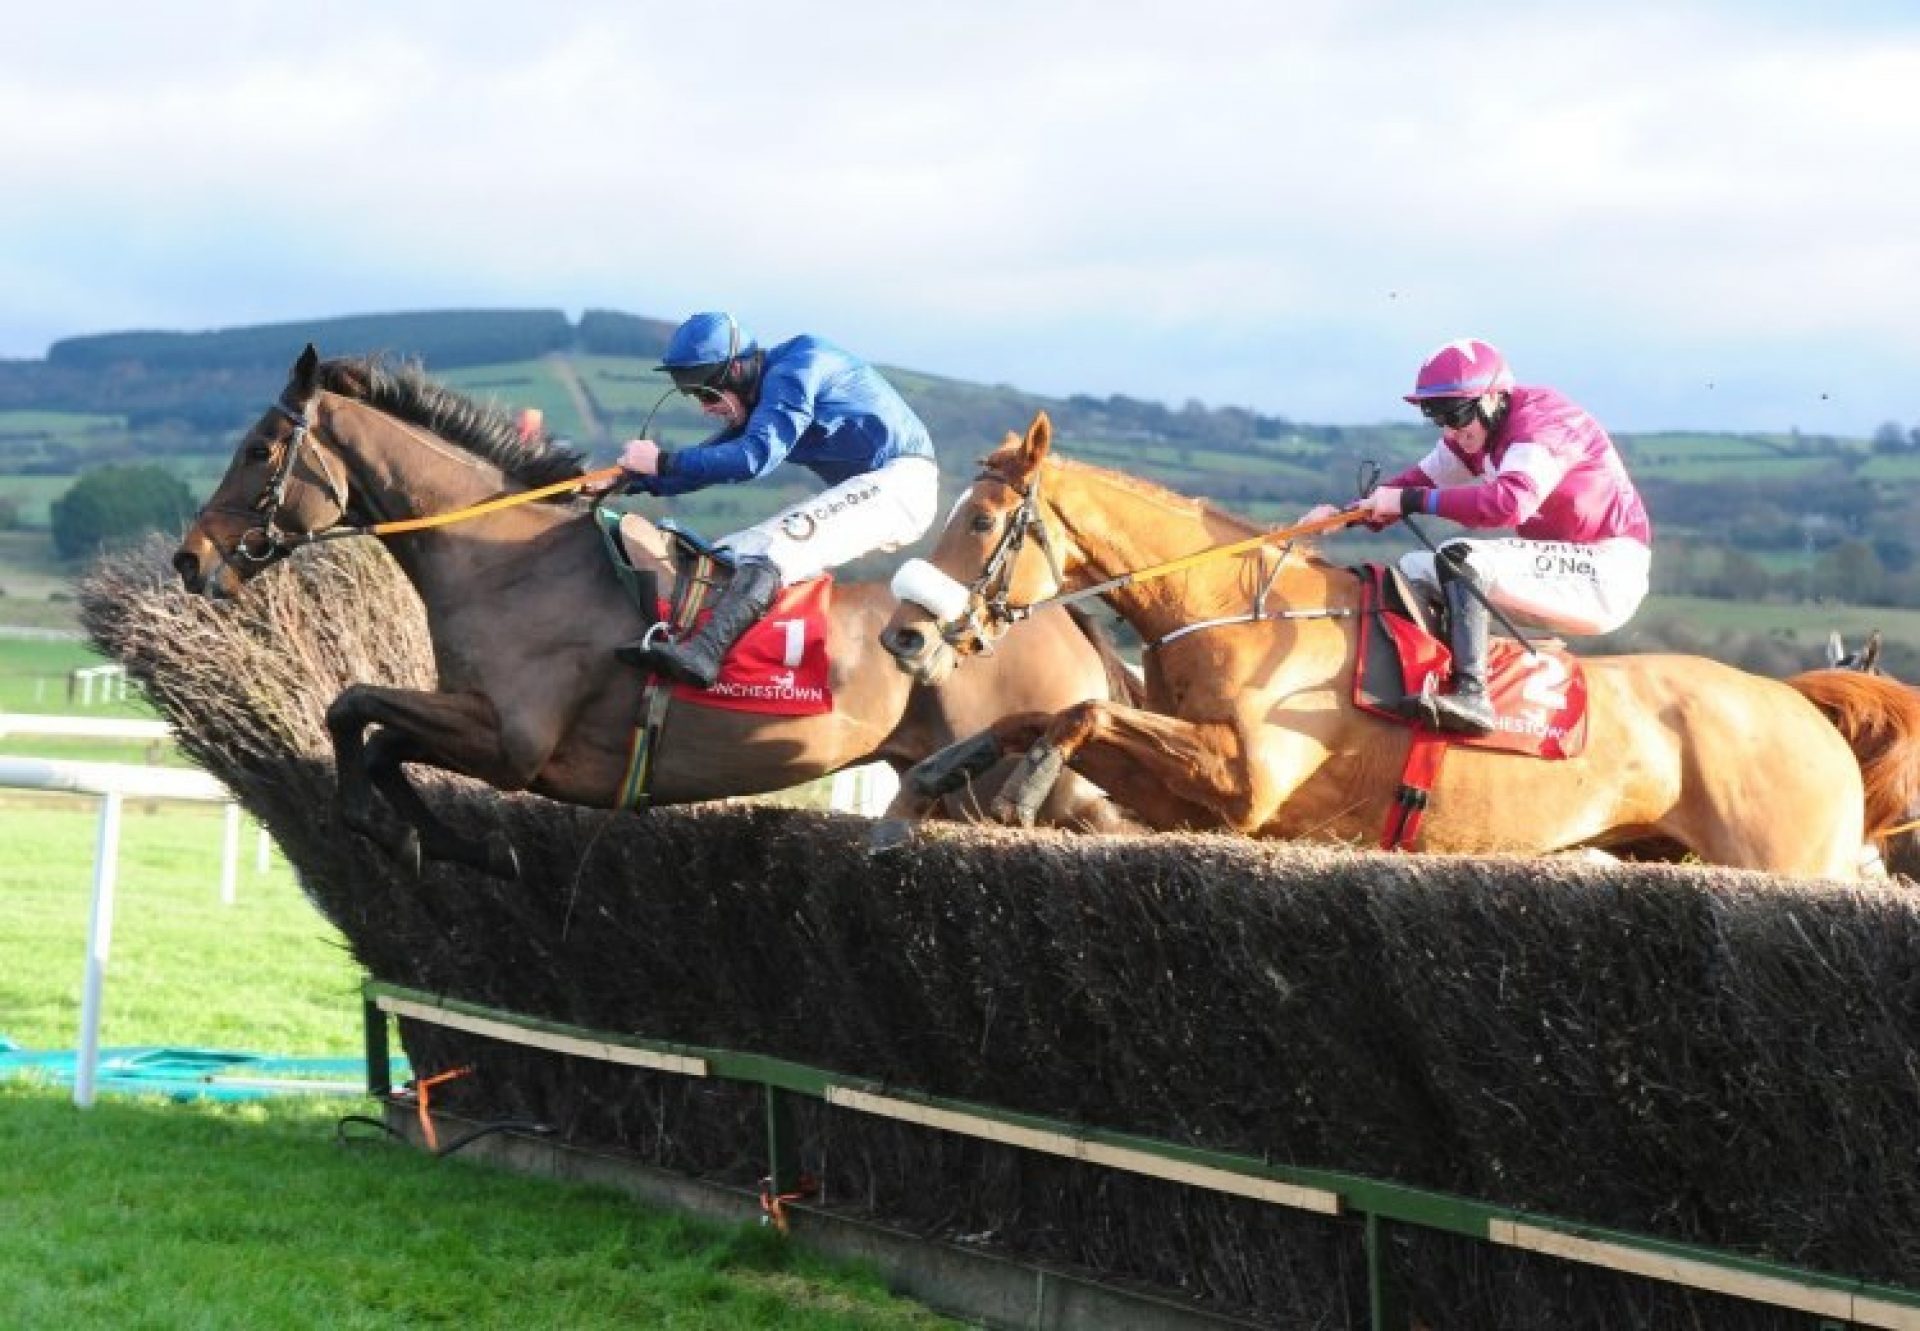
{"type": "Point", "coordinates": [1684, 214]}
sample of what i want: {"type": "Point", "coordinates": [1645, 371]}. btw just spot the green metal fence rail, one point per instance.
{"type": "Point", "coordinates": [1841, 1300]}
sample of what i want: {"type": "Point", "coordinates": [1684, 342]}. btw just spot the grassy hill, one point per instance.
{"type": "Point", "coordinates": [1799, 533]}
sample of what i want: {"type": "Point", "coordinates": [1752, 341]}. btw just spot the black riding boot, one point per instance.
{"type": "Point", "coordinates": [697, 660]}
{"type": "Point", "coordinates": [1464, 707]}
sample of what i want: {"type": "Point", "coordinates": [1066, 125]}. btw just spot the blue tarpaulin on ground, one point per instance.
{"type": "Point", "coordinates": [195, 1074]}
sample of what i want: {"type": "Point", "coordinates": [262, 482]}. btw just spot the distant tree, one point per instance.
{"type": "Point", "coordinates": [1890, 438]}
{"type": "Point", "coordinates": [611, 333]}
{"type": "Point", "coordinates": [1743, 577]}
{"type": "Point", "coordinates": [1851, 571]}
{"type": "Point", "coordinates": [111, 506]}
{"type": "Point", "coordinates": [1896, 554]}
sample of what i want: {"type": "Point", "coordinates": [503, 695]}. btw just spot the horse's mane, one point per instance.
{"type": "Point", "coordinates": [483, 429]}
{"type": "Point", "coordinates": [1880, 718]}
{"type": "Point", "coordinates": [1152, 492]}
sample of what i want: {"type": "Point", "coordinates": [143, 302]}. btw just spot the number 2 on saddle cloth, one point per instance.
{"type": "Point", "coordinates": [1539, 698]}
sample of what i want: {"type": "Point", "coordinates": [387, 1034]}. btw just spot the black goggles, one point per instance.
{"type": "Point", "coordinates": [1451, 413]}
{"type": "Point", "coordinates": [700, 381]}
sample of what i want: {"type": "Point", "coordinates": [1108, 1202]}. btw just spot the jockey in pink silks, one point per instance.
{"type": "Point", "coordinates": [1512, 456]}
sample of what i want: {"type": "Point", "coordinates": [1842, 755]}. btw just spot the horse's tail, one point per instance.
{"type": "Point", "coordinates": [1880, 719]}
{"type": "Point", "coordinates": [1124, 683]}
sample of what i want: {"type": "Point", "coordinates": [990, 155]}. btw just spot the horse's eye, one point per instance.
{"type": "Point", "coordinates": [259, 452]}
{"type": "Point", "coordinates": [982, 523]}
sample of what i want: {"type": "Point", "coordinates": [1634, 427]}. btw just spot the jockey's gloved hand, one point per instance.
{"type": "Point", "coordinates": [1373, 523]}
{"type": "Point", "coordinates": [1384, 506]}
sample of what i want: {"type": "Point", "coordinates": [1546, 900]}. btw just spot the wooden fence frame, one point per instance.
{"type": "Point", "coordinates": [1841, 1300]}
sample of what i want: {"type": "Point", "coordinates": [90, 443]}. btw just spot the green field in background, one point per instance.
{"type": "Point", "coordinates": [266, 974]}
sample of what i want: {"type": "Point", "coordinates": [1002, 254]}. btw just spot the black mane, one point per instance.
{"type": "Point", "coordinates": [485, 430]}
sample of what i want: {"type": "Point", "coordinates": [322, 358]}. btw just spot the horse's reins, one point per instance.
{"type": "Point", "coordinates": [1898, 828]}
{"type": "Point", "coordinates": [1027, 517]}
{"type": "Point", "coordinates": [275, 539]}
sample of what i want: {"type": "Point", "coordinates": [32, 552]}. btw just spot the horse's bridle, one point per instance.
{"type": "Point", "coordinates": [258, 545]}
{"type": "Point", "coordinates": [989, 613]}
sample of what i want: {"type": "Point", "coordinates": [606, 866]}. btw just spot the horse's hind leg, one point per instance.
{"type": "Point", "coordinates": [1803, 828]}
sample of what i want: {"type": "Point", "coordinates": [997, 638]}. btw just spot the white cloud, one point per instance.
{"type": "Point", "coordinates": [1277, 204]}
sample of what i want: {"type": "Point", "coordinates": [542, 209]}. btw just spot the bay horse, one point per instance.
{"type": "Point", "coordinates": [524, 610]}
{"type": "Point", "coordinates": [1250, 724]}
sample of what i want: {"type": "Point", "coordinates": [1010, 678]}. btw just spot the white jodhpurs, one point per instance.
{"type": "Point", "coordinates": [1553, 585]}
{"type": "Point", "coordinates": [878, 510]}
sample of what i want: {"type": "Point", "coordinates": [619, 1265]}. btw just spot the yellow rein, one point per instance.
{"type": "Point", "coordinates": [491, 505]}
{"type": "Point", "coordinates": [1346, 517]}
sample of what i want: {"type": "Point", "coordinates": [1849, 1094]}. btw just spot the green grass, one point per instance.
{"type": "Point", "coordinates": [621, 383]}
{"type": "Point", "coordinates": [1731, 468]}
{"type": "Point", "coordinates": [35, 496]}
{"type": "Point", "coordinates": [145, 1215]}
{"type": "Point", "coordinates": [1903, 468]}
{"type": "Point", "coordinates": [56, 423]}
{"type": "Point", "coordinates": [37, 612]}
{"type": "Point", "coordinates": [1646, 449]}
{"type": "Point", "coordinates": [1799, 621]}
{"type": "Point", "coordinates": [266, 974]}
{"type": "Point", "coordinates": [34, 676]}
{"type": "Point", "coordinates": [37, 437]}
{"type": "Point", "coordinates": [530, 383]}
{"type": "Point", "coordinates": [142, 1213]}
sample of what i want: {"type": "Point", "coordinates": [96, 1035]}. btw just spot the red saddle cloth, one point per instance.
{"type": "Point", "coordinates": [1539, 697]}
{"type": "Point", "coordinates": [779, 666]}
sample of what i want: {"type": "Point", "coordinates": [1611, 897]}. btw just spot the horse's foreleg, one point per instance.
{"type": "Point", "coordinates": [456, 731]}
{"type": "Point", "coordinates": [953, 769]}
{"type": "Point", "coordinates": [1168, 772]}
{"type": "Point", "coordinates": [427, 835]}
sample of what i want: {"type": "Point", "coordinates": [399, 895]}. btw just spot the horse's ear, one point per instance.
{"type": "Point", "coordinates": [306, 373]}
{"type": "Point", "coordinates": [1033, 449]}
{"type": "Point", "coordinates": [1836, 650]}
{"type": "Point", "coordinates": [1870, 654]}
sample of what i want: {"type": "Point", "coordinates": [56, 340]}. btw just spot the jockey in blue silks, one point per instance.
{"type": "Point", "coordinates": [804, 401]}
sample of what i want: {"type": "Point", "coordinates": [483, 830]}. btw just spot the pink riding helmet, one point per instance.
{"type": "Point", "coordinates": [1464, 367]}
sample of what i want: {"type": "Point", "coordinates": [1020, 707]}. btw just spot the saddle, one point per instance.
{"type": "Point", "coordinates": [623, 534]}
{"type": "Point", "coordinates": [1538, 692]}
{"type": "Point", "coordinates": [779, 666]}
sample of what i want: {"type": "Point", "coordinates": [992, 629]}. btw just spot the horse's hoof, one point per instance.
{"type": "Point", "coordinates": [1019, 800]}
{"type": "Point", "coordinates": [502, 860]}
{"type": "Point", "coordinates": [954, 766]}
{"type": "Point", "coordinates": [888, 834]}
{"type": "Point", "coordinates": [1010, 813]}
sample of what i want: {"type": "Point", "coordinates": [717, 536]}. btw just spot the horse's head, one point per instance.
{"type": "Point", "coordinates": [1000, 551]}
{"type": "Point", "coordinates": [283, 485]}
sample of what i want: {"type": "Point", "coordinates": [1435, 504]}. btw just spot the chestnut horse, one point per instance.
{"type": "Point", "coordinates": [1870, 708]}
{"type": "Point", "coordinates": [1253, 727]}
{"type": "Point", "coordinates": [524, 610]}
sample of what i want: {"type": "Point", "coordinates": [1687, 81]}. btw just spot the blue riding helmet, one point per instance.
{"type": "Point", "coordinates": [712, 338]}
